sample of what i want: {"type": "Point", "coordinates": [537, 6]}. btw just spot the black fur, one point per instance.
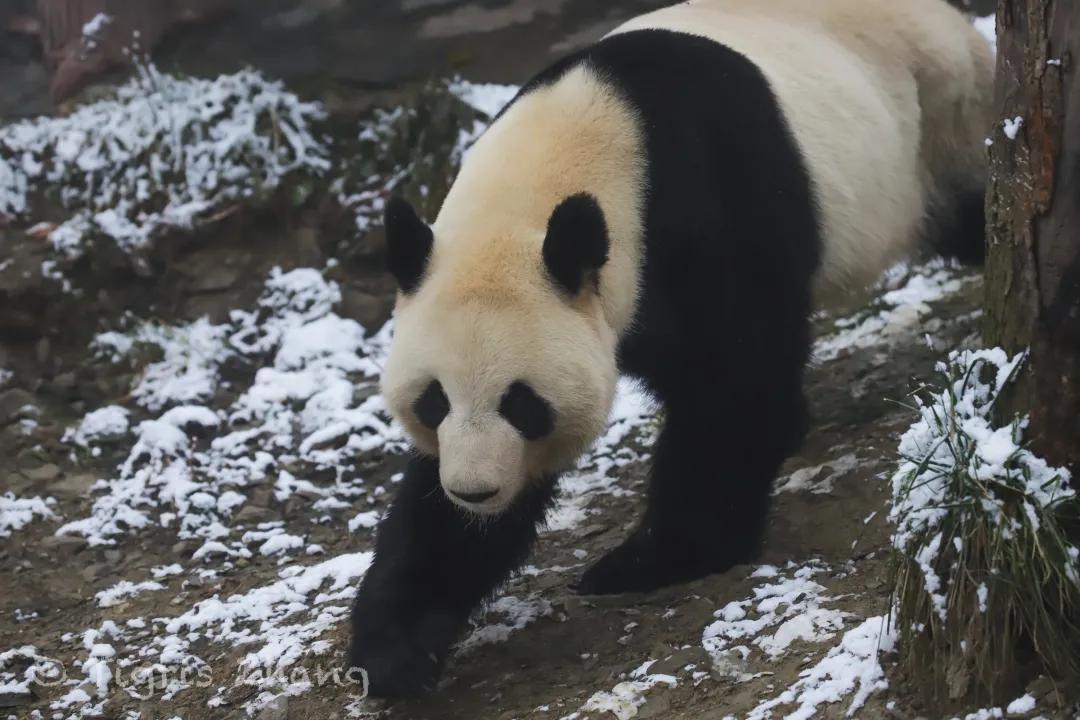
{"type": "Point", "coordinates": [408, 244]}
{"type": "Point", "coordinates": [576, 244]}
{"type": "Point", "coordinates": [432, 406]}
{"type": "Point", "coordinates": [529, 413]}
{"type": "Point", "coordinates": [956, 226]}
{"type": "Point", "coordinates": [722, 333]}
{"type": "Point", "coordinates": [433, 565]}
{"type": "Point", "coordinates": [721, 337]}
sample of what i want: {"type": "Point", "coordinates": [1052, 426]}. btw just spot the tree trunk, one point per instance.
{"type": "Point", "coordinates": [1033, 213]}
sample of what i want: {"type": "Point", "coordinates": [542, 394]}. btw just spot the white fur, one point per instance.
{"type": "Point", "coordinates": [886, 98]}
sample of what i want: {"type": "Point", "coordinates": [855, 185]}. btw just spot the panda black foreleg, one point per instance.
{"type": "Point", "coordinates": [434, 564]}
{"type": "Point", "coordinates": [710, 486]}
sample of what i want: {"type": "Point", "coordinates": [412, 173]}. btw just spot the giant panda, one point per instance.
{"type": "Point", "coordinates": [665, 203]}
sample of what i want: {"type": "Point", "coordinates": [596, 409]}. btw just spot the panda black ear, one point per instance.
{"type": "Point", "coordinates": [576, 245]}
{"type": "Point", "coordinates": [408, 244]}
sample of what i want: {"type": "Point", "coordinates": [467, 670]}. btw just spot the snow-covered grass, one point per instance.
{"type": "Point", "coordinates": [983, 562]}
{"type": "Point", "coordinates": [166, 152]}
{"type": "Point", "coordinates": [415, 150]}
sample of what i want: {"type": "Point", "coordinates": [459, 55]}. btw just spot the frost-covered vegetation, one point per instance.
{"type": "Point", "coordinates": [416, 148]}
{"type": "Point", "coordinates": [164, 153]}
{"type": "Point", "coordinates": [986, 575]}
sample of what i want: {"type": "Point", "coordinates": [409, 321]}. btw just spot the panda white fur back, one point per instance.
{"type": "Point", "coordinates": [887, 100]}
{"type": "Point", "coordinates": [663, 203]}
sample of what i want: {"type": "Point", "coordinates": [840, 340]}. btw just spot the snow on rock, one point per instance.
{"type": "Point", "coordinates": [1011, 126]}
{"type": "Point", "coordinates": [624, 700]}
{"type": "Point", "coordinates": [518, 614]}
{"type": "Point", "coordinates": [1021, 705]}
{"type": "Point", "coordinates": [35, 668]}
{"type": "Point", "coordinates": [817, 479]}
{"type": "Point", "coordinates": [165, 152]}
{"type": "Point", "coordinates": [987, 27]}
{"type": "Point", "coordinates": [107, 423]}
{"type": "Point", "coordinates": [366, 520]}
{"type": "Point", "coordinates": [123, 590]}
{"type": "Point", "coordinates": [850, 668]}
{"type": "Point", "coordinates": [896, 314]}
{"type": "Point", "coordinates": [16, 512]}
{"type": "Point", "coordinates": [791, 606]}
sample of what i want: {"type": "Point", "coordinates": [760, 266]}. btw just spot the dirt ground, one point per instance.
{"type": "Point", "coordinates": [832, 520]}
{"type": "Point", "coordinates": [546, 652]}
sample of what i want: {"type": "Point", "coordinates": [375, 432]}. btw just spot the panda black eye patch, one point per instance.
{"type": "Point", "coordinates": [432, 405]}
{"type": "Point", "coordinates": [529, 413]}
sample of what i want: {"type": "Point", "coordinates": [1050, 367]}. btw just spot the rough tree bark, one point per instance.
{"type": "Point", "coordinates": [1033, 212]}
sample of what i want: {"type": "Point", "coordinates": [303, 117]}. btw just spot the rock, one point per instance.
{"type": "Point", "coordinates": [64, 383]}
{"type": "Point", "coordinates": [65, 544]}
{"type": "Point", "coordinates": [277, 709]}
{"type": "Point", "coordinates": [183, 549]}
{"type": "Point", "coordinates": [15, 699]}
{"type": "Point", "coordinates": [369, 309]}
{"type": "Point", "coordinates": [14, 405]}
{"type": "Point", "coordinates": [657, 705]}
{"type": "Point", "coordinates": [215, 277]}
{"type": "Point", "coordinates": [75, 485]}
{"type": "Point", "coordinates": [43, 350]}
{"type": "Point", "coordinates": [680, 659]}
{"type": "Point", "coordinates": [92, 571]}
{"type": "Point", "coordinates": [45, 473]}
{"type": "Point", "coordinates": [252, 514]}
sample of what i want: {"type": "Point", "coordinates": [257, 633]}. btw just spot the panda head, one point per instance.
{"type": "Point", "coordinates": [502, 364]}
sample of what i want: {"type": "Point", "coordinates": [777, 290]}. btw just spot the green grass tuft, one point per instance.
{"type": "Point", "coordinates": [986, 580]}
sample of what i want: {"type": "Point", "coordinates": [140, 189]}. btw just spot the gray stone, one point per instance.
{"type": "Point", "coordinates": [44, 473]}
{"type": "Point", "coordinates": [369, 309]}
{"type": "Point", "coordinates": [65, 544]}
{"type": "Point", "coordinates": [252, 514]}
{"type": "Point", "coordinates": [13, 404]}
{"type": "Point", "coordinates": [278, 709]}
{"type": "Point", "coordinates": [681, 658]}
{"type": "Point", "coordinates": [75, 485]}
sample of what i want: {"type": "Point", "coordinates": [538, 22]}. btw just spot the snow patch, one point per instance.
{"type": "Point", "coordinates": [165, 152]}
{"type": "Point", "coordinates": [16, 513]}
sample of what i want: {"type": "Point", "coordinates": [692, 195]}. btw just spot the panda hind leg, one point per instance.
{"type": "Point", "coordinates": [710, 486]}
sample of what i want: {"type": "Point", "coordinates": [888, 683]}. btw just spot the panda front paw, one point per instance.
{"type": "Point", "coordinates": [400, 641]}
{"type": "Point", "coordinates": [644, 562]}
{"type": "Point", "coordinates": [395, 663]}
{"type": "Point", "coordinates": [403, 656]}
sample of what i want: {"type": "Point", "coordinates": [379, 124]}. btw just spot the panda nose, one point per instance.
{"type": "Point", "coordinates": [475, 497]}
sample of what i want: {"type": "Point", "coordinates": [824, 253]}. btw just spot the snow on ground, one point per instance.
{"type": "Point", "coordinates": [897, 314]}
{"type": "Point", "coordinates": [789, 607]}
{"type": "Point", "coordinates": [17, 512]}
{"type": "Point", "coordinates": [309, 421]}
{"type": "Point", "coordinates": [311, 409]}
{"type": "Point", "coordinates": [851, 669]}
